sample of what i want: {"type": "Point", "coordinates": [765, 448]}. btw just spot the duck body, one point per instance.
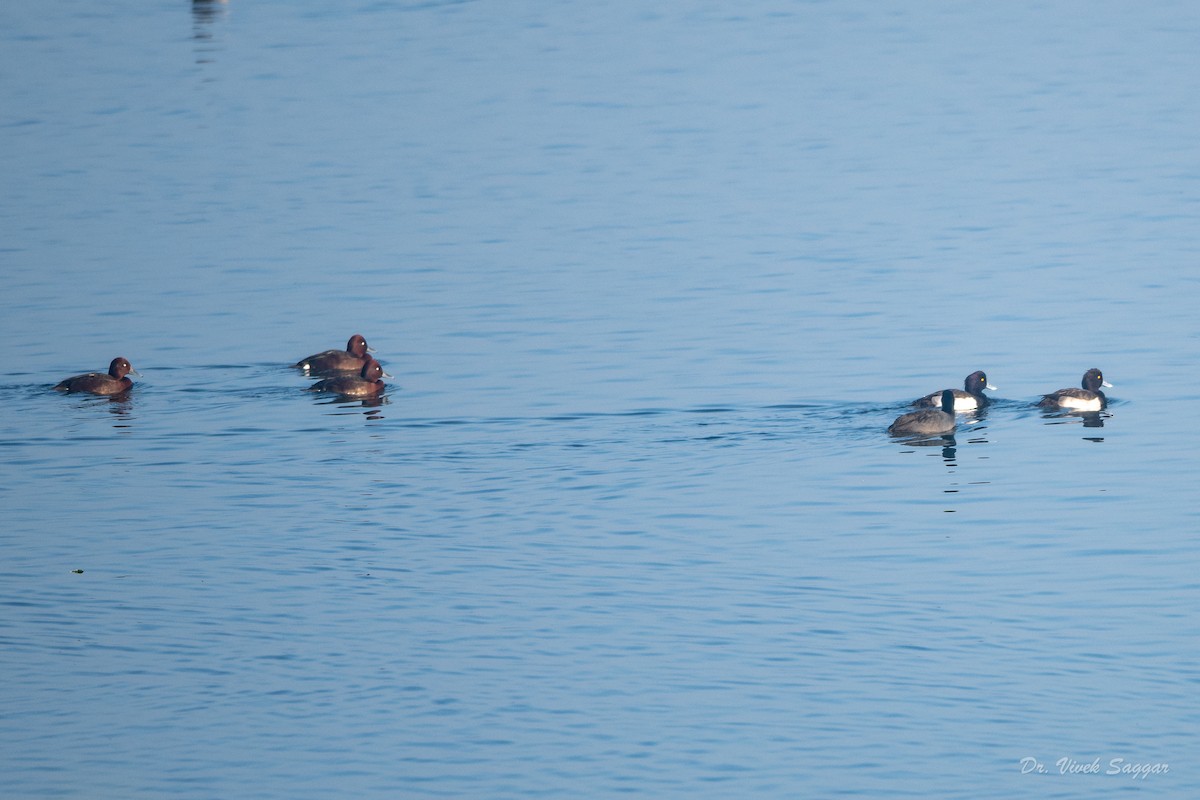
{"type": "Point", "coordinates": [368, 383]}
{"type": "Point", "coordinates": [1086, 398]}
{"type": "Point", "coordinates": [928, 421]}
{"type": "Point", "coordinates": [968, 398]}
{"type": "Point", "coordinates": [115, 382]}
{"type": "Point", "coordinates": [333, 362]}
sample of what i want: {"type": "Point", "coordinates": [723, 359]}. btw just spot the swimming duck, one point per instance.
{"type": "Point", "coordinates": [366, 384]}
{"type": "Point", "coordinates": [1087, 398]}
{"type": "Point", "coordinates": [968, 398]}
{"type": "Point", "coordinates": [330, 362]}
{"type": "Point", "coordinates": [927, 421]}
{"type": "Point", "coordinates": [115, 382]}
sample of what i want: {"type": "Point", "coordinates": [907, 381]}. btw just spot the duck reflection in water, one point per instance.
{"type": "Point", "coordinates": [1090, 419]}
{"type": "Point", "coordinates": [207, 10]}
{"type": "Point", "coordinates": [204, 14]}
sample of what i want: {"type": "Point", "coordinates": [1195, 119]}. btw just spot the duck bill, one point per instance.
{"type": "Point", "coordinates": [1106, 384]}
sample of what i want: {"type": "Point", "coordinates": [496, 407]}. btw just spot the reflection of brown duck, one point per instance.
{"type": "Point", "coordinates": [114, 382]}
{"type": "Point", "coordinates": [366, 384]}
{"type": "Point", "coordinates": [929, 421]}
{"type": "Point", "coordinates": [968, 398]}
{"type": "Point", "coordinates": [1089, 398]}
{"type": "Point", "coordinates": [204, 11]}
{"type": "Point", "coordinates": [331, 362]}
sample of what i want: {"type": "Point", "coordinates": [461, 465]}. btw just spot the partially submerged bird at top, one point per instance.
{"type": "Point", "coordinates": [115, 382]}
{"type": "Point", "coordinates": [1087, 398]}
{"type": "Point", "coordinates": [928, 421]}
{"type": "Point", "coordinates": [332, 362]}
{"type": "Point", "coordinates": [367, 383]}
{"type": "Point", "coordinates": [968, 398]}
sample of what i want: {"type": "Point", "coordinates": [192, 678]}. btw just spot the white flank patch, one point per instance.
{"type": "Point", "coordinates": [1079, 404]}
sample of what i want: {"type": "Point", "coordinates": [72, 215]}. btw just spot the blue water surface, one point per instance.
{"type": "Point", "coordinates": [652, 280]}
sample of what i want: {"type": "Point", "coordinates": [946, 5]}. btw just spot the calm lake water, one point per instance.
{"type": "Point", "coordinates": [653, 281]}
